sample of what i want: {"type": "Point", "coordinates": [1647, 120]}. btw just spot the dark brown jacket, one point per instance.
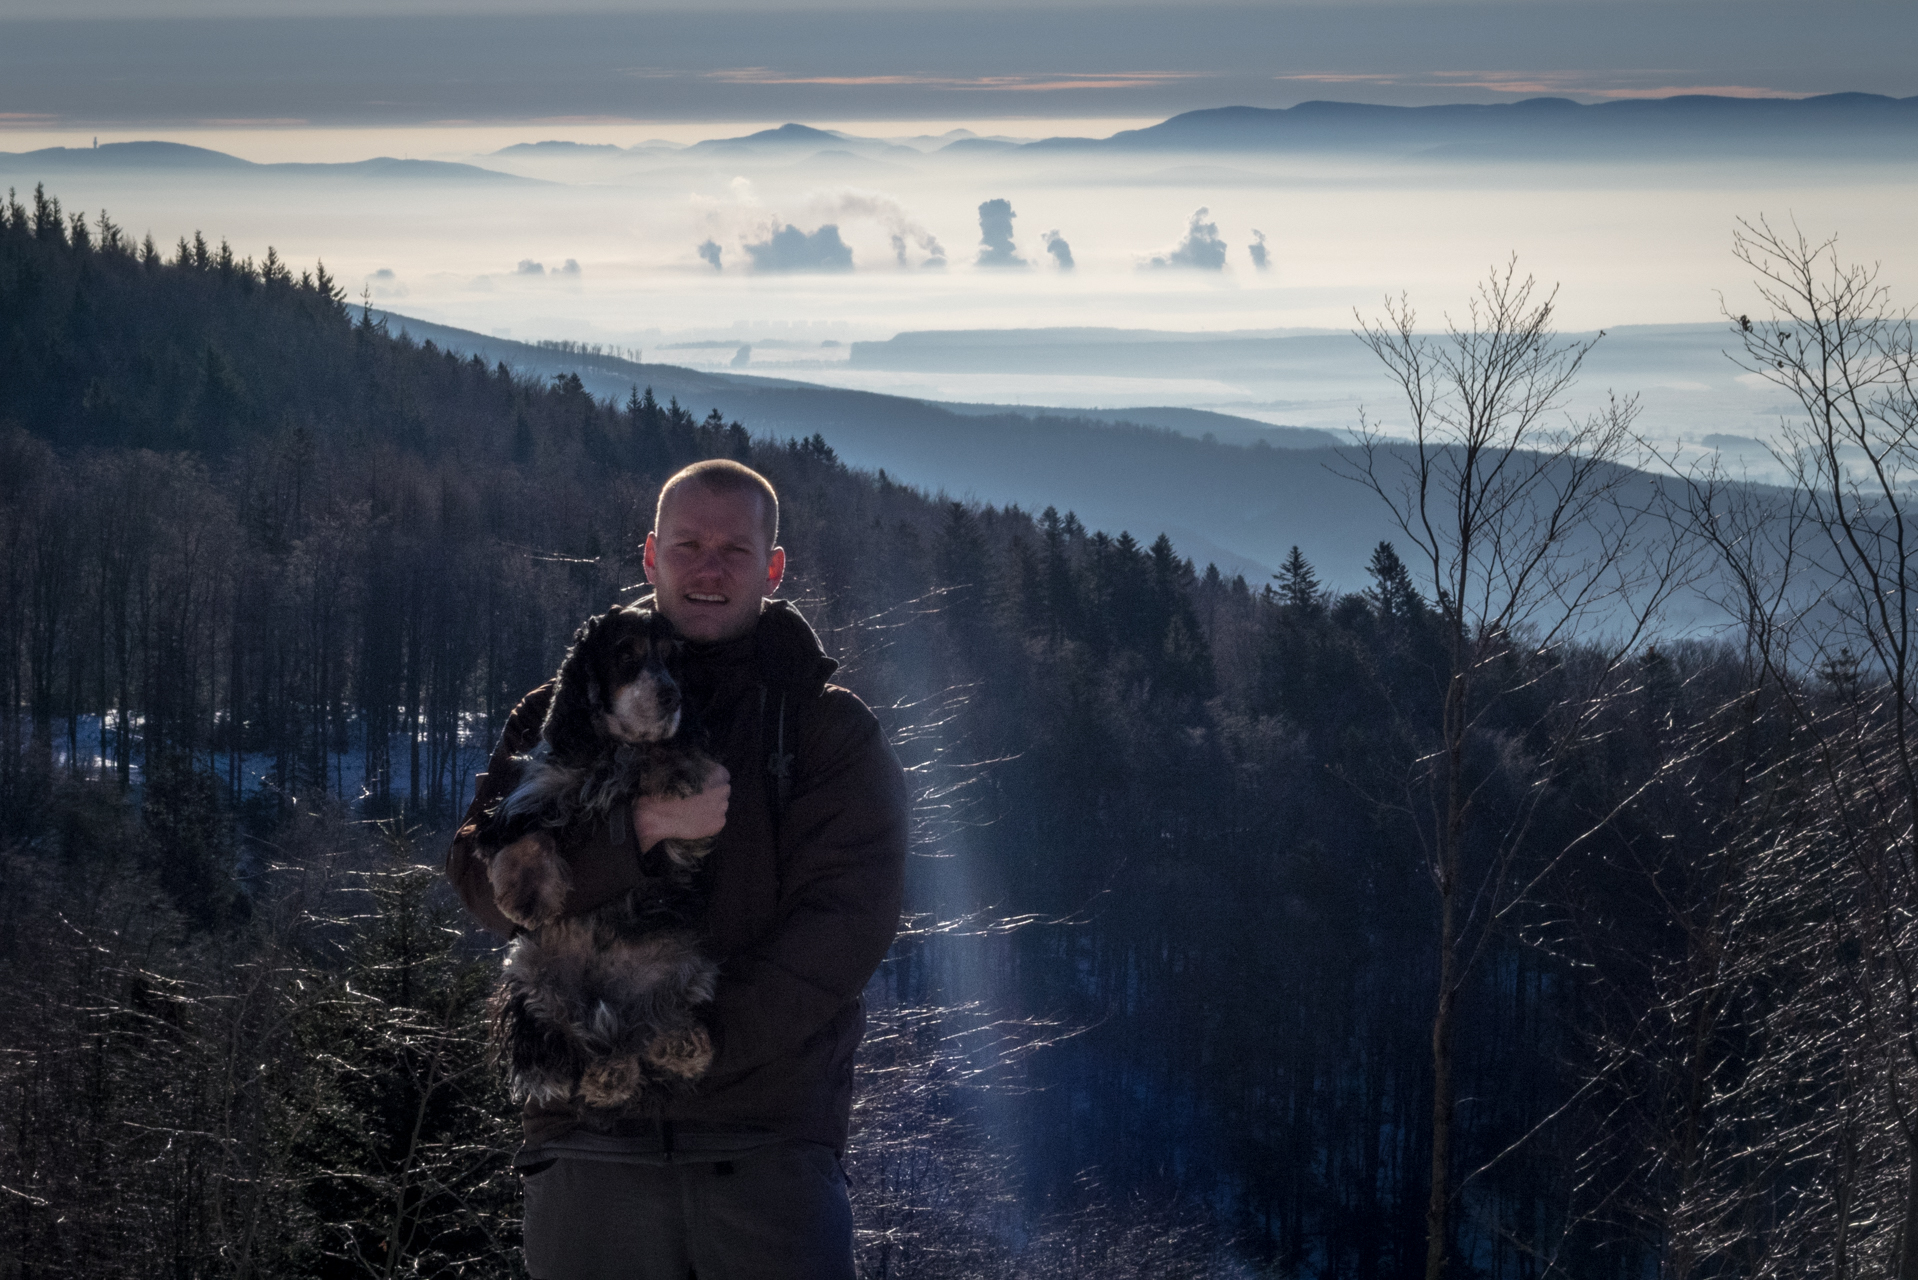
{"type": "Point", "coordinates": [805, 895]}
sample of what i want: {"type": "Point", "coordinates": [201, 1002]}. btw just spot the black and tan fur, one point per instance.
{"type": "Point", "coordinates": [605, 1007]}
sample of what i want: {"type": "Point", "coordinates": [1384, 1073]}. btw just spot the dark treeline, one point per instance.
{"type": "Point", "coordinates": [272, 574]}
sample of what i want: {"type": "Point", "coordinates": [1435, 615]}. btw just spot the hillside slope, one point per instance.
{"type": "Point", "coordinates": [1242, 506]}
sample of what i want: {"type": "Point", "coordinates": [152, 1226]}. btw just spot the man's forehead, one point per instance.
{"type": "Point", "coordinates": [693, 506]}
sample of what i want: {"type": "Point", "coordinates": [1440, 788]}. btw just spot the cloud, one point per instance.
{"type": "Point", "coordinates": [385, 283]}
{"type": "Point", "coordinates": [1061, 251]}
{"type": "Point", "coordinates": [995, 235]}
{"type": "Point", "coordinates": [1257, 249]}
{"type": "Point", "coordinates": [1591, 84]}
{"type": "Point", "coordinates": [1014, 83]}
{"type": "Point", "coordinates": [875, 206]}
{"type": "Point", "coordinates": [570, 269]}
{"type": "Point", "coordinates": [1201, 247]}
{"type": "Point", "coordinates": [787, 248]}
{"type": "Point", "coordinates": [757, 228]}
{"type": "Point", "coordinates": [527, 267]}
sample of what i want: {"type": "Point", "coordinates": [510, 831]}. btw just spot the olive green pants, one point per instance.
{"type": "Point", "coordinates": [770, 1213]}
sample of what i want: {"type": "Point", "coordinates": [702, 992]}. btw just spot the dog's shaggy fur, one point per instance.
{"type": "Point", "coordinates": [603, 1008]}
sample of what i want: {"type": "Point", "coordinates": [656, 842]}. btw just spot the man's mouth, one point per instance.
{"type": "Point", "coordinates": [703, 597]}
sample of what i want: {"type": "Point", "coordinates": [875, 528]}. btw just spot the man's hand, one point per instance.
{"type": "Point", "coordinates": [695, 817]}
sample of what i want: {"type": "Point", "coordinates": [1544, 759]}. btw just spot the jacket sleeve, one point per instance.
{"type": "Point", "coordinates": [842, 847]}
{"type": "Point", "coordinates": [464, 865]}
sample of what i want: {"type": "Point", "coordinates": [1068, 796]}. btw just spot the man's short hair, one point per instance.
{"type": "Point", "coordinates": [723, 475]}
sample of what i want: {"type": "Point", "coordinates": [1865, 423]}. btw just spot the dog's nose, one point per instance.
{"type": "Point", "coordinates": [668, 698]}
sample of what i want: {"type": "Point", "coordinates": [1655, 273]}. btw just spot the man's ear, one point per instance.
{"type": "Point", "coordinates": [646, 557]}
{"type": "Point", "coordinates": [775, 569]}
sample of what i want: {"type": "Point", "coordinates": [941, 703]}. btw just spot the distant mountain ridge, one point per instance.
{"type": "Point", "coordinates": [178, 157]}
{"type": "Point", "coordinates": [795, 139]}
{"type": "Point", "coordinates": [1840, 124]}
{"type": "Point", "coordinates": [1837, 126]}
{"type": "Point", "coordinates": [1684, 121]}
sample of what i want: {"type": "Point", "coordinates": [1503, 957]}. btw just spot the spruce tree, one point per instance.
{"type": "Point", "coordinates": [1298, 585]}
{"type": "Point", "coordinates": [1392, 596]}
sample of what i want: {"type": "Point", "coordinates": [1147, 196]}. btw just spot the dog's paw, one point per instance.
{"type": "Point", "coordinates": [610, 1081]}
{"type": "Point", "coordinates": [686, 855]}
{"type": "Point", "coordinates": [530, 880]}
{"type": "Point", "coordinates": [544, 1088]}
{"type": "Point", "coordinates": [685, 1053]}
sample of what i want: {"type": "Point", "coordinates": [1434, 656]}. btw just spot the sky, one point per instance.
{"type": "Point", "coordinates": [82, 64]}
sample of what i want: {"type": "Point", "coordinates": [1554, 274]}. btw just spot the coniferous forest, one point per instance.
{"type": "Point", "coordinates": [1242, 914]}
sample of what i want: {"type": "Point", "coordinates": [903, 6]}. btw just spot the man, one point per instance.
{"type": "Point", "coordinates": [809, 807]}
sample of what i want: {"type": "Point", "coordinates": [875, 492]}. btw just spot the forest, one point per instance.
{"type": "Point", "coordinates": [1467, 923]}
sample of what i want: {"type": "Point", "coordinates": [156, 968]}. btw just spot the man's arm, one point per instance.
{"type": "Point", "coordinates": [464, 866]}
{"type": "Point", "coordinates": [842, 844]}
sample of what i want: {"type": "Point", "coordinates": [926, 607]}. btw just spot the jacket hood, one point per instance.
{"type": "Point", "coordinates": [790, 655]}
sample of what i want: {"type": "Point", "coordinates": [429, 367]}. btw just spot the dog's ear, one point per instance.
{"type": "Point", "coordinates": [569, 720]}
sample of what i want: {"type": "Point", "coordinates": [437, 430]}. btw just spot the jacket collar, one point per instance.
{"type": "Point", "coordinates": [783, 646]}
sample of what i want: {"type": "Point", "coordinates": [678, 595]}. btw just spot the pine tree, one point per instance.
{"type": "Point", "coordinates": [524, 445]}
{"type": "Point", "coordinates": [192, 840]}
{"type": "Point", "coordinates": [1298, 585]}
{"type": "Point", "coordinates": [112, 237]}
{"type": "Point", "coordinates": [400, 1152]}
{"type": "Point", "coordinates": [961, 553]}
{"type": "Point", "coordinates": [47, 222]}
{"type": "Point", "coordinates": [1392, 596]}
{"type": "Point", "coordinates": [1061, 587]}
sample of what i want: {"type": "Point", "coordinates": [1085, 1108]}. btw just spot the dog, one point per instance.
{"type": "Point", "coordinates": [609, 1007]}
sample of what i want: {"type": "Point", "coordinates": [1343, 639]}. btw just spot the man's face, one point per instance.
{"type": "Point", "coordinates": [709, 563]}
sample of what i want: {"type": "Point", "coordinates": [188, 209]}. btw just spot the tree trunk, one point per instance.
{"type": "Point", "coordinates": [1451, 839]}
{"type": "Point", "coordinates": [1442, 1091]}
{"type": "Point", "coordinates": [1908, 1245]}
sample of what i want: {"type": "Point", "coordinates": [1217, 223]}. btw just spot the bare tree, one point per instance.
{"type": "Point", "coordinates": [1816, 1122]}
{"type": "Point", "coordinates": [1524, 525]}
